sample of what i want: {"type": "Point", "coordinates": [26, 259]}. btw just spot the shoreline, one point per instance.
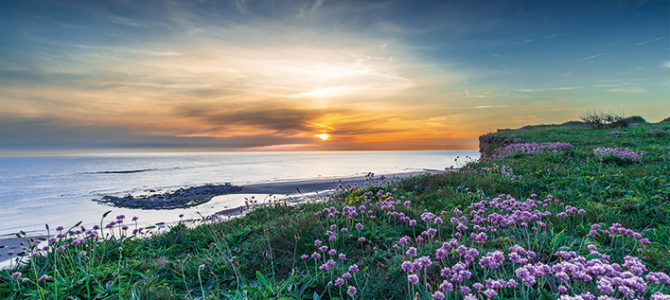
{"type": "Point", "coordinates": [187, 197]}
{"type": "Point", "coordinates": [301, 190]}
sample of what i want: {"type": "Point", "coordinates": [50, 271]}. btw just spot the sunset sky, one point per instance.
{"type": "Point", "coordinates": [319, 75]}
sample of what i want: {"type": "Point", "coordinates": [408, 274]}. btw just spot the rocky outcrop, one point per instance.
{"type": "Point", "coordinates": [488, 144]}
{"type": "Point", "coordinates": [184, 197]}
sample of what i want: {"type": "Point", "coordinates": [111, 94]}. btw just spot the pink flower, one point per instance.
{"type": "Point", "coordinates": [412, 278]}
{"type": "Point", "coordinates": [351, 291]}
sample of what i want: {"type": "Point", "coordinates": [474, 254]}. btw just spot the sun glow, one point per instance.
{"type": "Point", "coordinates": [323, 136]}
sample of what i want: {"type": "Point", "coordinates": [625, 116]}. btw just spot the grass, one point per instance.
{"type": "Point", "coordinates": [259, 256]}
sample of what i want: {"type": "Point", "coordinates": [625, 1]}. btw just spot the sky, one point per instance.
{"type": "Point", "coordinates": [320, 74]}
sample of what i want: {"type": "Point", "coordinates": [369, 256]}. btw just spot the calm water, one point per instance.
{"type": "Point", "coordinates": [58, 190]}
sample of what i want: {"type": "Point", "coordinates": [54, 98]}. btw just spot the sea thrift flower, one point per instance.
{"type": "Point", "coordinates": [529, 148]}
{"type": "Point", "coordinates": [359, 226]}
{"type": "Point", "coordinates": [351, 291]}
{"type": "Point", "coordinates": [16, 275]}
{"type": "Point", "coordinates": [438, 295]}
{"type": "Point", "coordinates": [361, 240]}
{"type": "Point", "coordinates": [411, 252]}
{"type": "Point", "coordinates": [43, 278]}
{"type": "Point", "coordinates": [490, 293]}
{"type": "Point", "coordinates": [353, 268]}
{"type": "Point", "coordinates": [625, 154]}
{"type": "Point", "coordinates": [446, 286]}
{"type": "Point", "coordinates": [412, 278]}
{"type": "Point", "coordinates": [339, 282]}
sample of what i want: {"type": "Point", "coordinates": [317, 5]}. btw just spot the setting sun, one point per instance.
{"type": "Point", "coordinates": [323, 136]}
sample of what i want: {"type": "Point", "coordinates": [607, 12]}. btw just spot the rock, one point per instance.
{"type": "Point", "coordinates": [181, 198]}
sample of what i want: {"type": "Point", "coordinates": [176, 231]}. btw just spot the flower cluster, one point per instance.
{"type": "Point", "coordinates": [529, 148]}
{"type": "Point", "coordinates": [659, 132]}
{"type": "Point", "coordinates": [625, 154]}
{"type": "Point", "coordinates": [458, 264]}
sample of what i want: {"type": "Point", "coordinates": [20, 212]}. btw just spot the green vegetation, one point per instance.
{"type": "Point", "coordinates": [259, 256]}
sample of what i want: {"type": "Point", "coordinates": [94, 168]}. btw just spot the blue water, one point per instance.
{"type": "Point", "coordinates": [59, 190]}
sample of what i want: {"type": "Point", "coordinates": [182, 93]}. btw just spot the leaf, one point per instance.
{"type": "Point", "coordinates": [557, 238]}
{"type": "Point", "coordinates": [547, 295]}
{"type": "Point", "coordinates": [261, 278]}
{"type": "Point", "coordinates": [316, 296]}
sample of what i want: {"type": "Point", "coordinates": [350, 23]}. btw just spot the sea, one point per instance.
{"type": "Point", "coordinates": [59, 190]}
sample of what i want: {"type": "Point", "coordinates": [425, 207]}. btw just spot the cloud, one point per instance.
{"type": "Point", "coordinates": [627, 90]}
{"type": "Point", "coordinates": [565, 88]}
{"type": "Point", "coordinates": [666, 64]}
{"type": "Point", "coordinates": [490, 106]}
{"type": "Point", "coordinates": [531, 90]}
{"type": "Point", "coordinates": [163, 53]}
{"type": "Point", "coordinates": [592, 56]}
{"type": "Point", "coordinates": [315, 7]}
{"type": "Point", "coordinates": [278, 118]}
{"type": "Point", "coordinates": [649, 41]}
{"type": "Point", "coordinates": [123, 21]}
{"type": "Point", "coordinates": [53, 134]}
{"type": "Point", "coordinates": [241, 5]}
{"type": "Point", "coordinates": [470, 95]}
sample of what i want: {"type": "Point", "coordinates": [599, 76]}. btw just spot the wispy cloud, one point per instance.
{"type": "Point", "coordinates": [241, 5]}
{"type": "Point", "coordinates": [563, 88]}
{"type": "Point", "coordinates": [531, 90]}
{"type": "Point", "coordinates": [471, 95]}
{"type": "Point", "coordinates": [315, 7]}
{"type": "Point", "coordinates": [123, 21]}
{"type": "Point", "coordinates": [649, 41]}
{"type": "Point", "coordinates": [627, 90]}
{"type": "Point", "coordinates": [592, 56]}
{"type": "Point", "coordinates": [490, 106]}
{"type": "Point", "coordinates": [163, 53]}
{"type": "Point", "coordinates": [666, 64]}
